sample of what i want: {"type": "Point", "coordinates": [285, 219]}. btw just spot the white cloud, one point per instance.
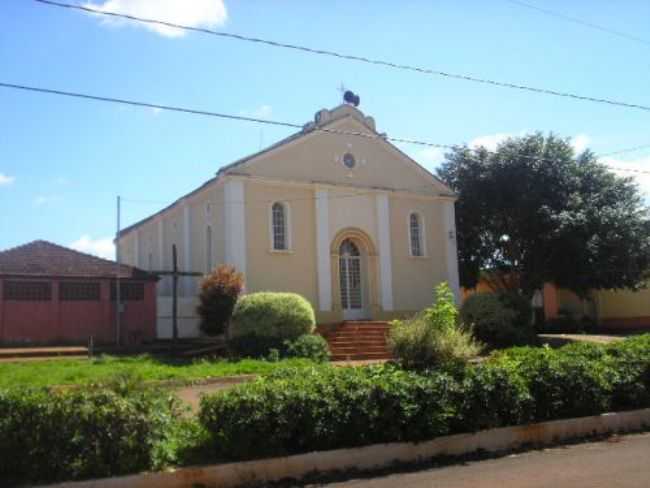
{"type": "Point", "coordinates": [261, 112]}
{"type": "Point", "coordinates": [431, 156]}
{"type": "Point", "coordinates": [192, 13]}
{"type": "Point", "coordinates": [6, 180]}
{"type": "Point", "coordinates": [639, 164]}
{"type": "Point", "coordinates": [490, 142]}
{"type": "Point", "coordinates": [580, 142]}
{"type": "Point", "coordinates": [102, 247]}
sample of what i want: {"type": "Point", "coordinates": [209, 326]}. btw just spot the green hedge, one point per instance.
{"type": "Point", "coordinates": [292, 411]}
{"type": "Point", "coordinates": [47, 436]}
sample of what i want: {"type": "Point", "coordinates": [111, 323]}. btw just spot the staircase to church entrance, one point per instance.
{"type": "Point", "coordinates": [358, 340]}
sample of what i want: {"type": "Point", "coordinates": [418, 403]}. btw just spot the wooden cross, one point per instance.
{"type": "Point", "coordinates": [175, 274]}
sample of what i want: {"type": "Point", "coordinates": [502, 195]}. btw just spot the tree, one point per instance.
{"type": "Point", "coordinates": [219, 292]}
{"type": "Point", "coordinates": [537, 211]}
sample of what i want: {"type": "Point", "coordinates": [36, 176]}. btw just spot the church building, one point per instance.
{"type": "Point", "coordinates": [334, 212]}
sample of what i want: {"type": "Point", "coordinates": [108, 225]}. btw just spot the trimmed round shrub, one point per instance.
{"type": "Point", "coordinates": [500, 320]}
{"type": "Point", "coordinates": [310, 346]}
{"type": "Point", "coordinates": [265, 320]}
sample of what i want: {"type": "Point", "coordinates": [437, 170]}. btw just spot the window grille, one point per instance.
{"type": "Point", "coordinates": [129, 292]}
{"type": "Point", "coordinates": [79, 291]}
{"type": "Point", "coordinates": [279, 226]}
{"type": "Point", "coordinates": [32, 291]}
{"type": "Point", "coordinates": [416, 235]}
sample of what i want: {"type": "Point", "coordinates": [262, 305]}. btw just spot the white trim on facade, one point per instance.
{"type": "Point", "coordinates": [136, 249]}
{"type": "Point", "coordinates": [187, 249]}
{"type": "Point", "coordinates": [423, 234]}
{"type": "Point", "coordinates": [235, 224]}
{"type": "Point", "coordinates": [451, 250]}
{"type": "Point", "coordinates": [161, 245]}
{"type": "Point", "coordinates": [385, 255]}
{"type": "Point", "coordinates": [324, 269]}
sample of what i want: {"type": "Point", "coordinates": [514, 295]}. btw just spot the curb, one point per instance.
{"type": "Point", "coordinates": [378, 455]}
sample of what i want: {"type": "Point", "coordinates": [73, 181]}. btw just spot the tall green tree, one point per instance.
{"type": "Point", "coordinates": [536, 209]}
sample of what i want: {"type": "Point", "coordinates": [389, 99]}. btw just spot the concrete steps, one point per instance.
{"type": "Point", "coordinates": [359, 340]}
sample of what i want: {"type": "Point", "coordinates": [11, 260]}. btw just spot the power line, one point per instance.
{"type": "Point", "coordinates": [350, 57]}
{"type": "Point", "coordinates": [207, 113]}
{"type": "Point", "coordinates": [623, 151]}
{"type": "Point", "coordinates": [576, 20]}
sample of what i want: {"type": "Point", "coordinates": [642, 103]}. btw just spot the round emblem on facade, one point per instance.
{"type": "Point", "coordinates": [349, 161]}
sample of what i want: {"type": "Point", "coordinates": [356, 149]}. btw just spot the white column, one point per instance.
{"type": "Point", "coordinates": [187, 249]}
{"type": "Point", "coordinates": [451, 251]}
{"type": "Point", "coordinates": [136, 248]}
{"type": "Point", "coordinates": [385, 255]}
{"type": "Point", "coordinates": [161, 246]}
{"type": "Point", "coordinates": [324, 269]}
{"type": "Point", "coordinates": [235, 225]}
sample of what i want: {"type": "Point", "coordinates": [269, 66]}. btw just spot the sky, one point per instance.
{"type": "Point", "coordinates": [64, 161]}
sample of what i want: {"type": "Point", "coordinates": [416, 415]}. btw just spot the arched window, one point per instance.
{"type": "Point", "coordinates": [279, 227]}
{"type": "Point", "coordinates": [208, 248]}
{"type": "Point", "coordinates": [416, 235]}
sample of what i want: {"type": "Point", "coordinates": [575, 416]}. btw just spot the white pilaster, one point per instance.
{"type": "Point", "coordinates": [385, 255]}
{"type": "Point", "coordinates": [323, 251]}
{"type": "Point", "coordinates": [187, 249]}
{"type": "Point", "coordinates": [136, 248]}
{"type": "Point", "coordinates": [451, 250]}
{"type": "Point", "coordinates": [235, 225]}
{"type": "Point", "coordinates": [161, 246]}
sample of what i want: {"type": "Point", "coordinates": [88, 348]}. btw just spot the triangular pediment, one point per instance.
{"type": "Point", "coordinates": [329, 152]}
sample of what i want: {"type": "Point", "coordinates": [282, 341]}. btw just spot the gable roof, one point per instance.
{"type": "Point", "coordinates": [42, 258]}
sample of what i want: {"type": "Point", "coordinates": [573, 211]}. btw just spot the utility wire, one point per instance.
{"type": "Point", "coordinates": [207, 113]}
{"type": "Point", "coordinates": [623, 151]}
{"type": "Point", "coordinates": [576, 20]}
{"type": "Point", "coordinates": [350, 57]}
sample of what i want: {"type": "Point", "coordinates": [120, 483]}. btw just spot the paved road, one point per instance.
{"type": "Point", "coordinates": [621, 462]}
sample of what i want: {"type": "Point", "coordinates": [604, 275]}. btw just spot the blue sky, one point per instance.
{"type": "Point", "coordinates": [63, 161]}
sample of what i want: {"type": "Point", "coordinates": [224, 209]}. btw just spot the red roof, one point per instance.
{"type": "Point", "coordinates": [42, 258]}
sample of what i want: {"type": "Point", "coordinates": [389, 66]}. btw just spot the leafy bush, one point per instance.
{"type": "Point", "coordinates": [494, 395]}
{"type": "Point", "coordinates": [327, 408]}
{"type": "Point", "coordinates": [97, 432]}
{"type": "Point", "coordinates": [217, 298]}
{"type": "Point", "coordinates": [433, 337]}
{"type": "Point", "coordinates": [569, 382]}
{"type": "Point", "coordinates": [293, 411]}
{"type": "Point", "coordinates": [262, 321]}
{"type": "Point", "coordinates": [500, 320]}
{"type": "Point", "coordinates": [310, 346]}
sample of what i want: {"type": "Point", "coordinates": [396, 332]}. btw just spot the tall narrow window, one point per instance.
{"type": "Point", "coordinates": [279, 226]}
{"type": "Point", "coordinates": [150, 261]}
{"type": "Point", "coordinates": [208, 248]}
{"type": "Point", "coordinates": [415, 232]}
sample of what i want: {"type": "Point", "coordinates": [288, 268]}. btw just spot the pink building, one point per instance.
{"type": "Point", "coordinates": [50, 294]}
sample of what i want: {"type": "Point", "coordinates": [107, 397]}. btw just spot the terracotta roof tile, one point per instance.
{"type": "Point", "coordinates": [42, 258]}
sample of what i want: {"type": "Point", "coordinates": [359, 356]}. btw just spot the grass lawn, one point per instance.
{"type": "Point", "coordinates": [83, 371]}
